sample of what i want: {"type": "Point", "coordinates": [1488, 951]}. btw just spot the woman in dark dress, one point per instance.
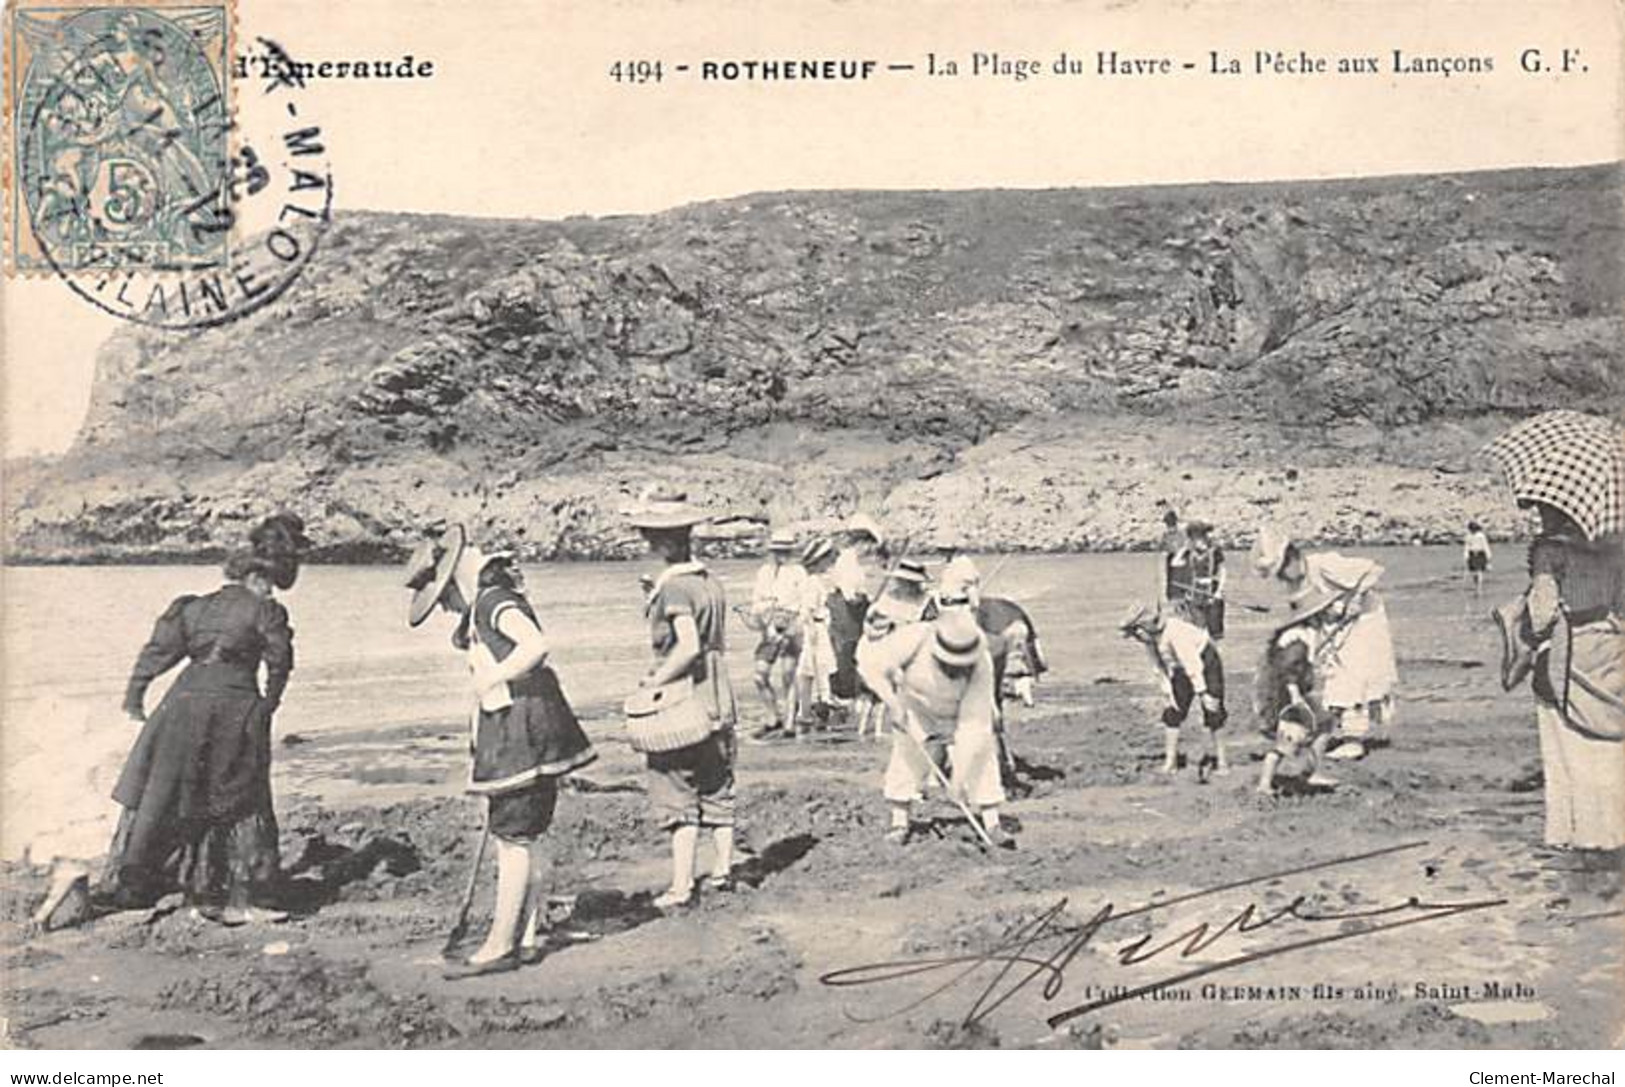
{"type": "Point", "coordinates": [196, 788]}
{"type": "Point", "coordinates": [524, 736]}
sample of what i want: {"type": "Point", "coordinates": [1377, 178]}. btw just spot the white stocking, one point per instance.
{"type": "Point", "coordinates": [723, 840]}
{"type": "Point", "coordinates": [513, 877]}
{"type": "Point", "coordinates": [536, 893]}
{"type": "Point", "coordinates": [684, 843]}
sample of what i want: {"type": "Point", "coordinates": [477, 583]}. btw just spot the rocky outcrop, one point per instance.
{"type": "Point", "coordinates": [1011, 369]}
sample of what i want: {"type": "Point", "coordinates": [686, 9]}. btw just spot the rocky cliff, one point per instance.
{"type": "Point", "coordinates": [1004, 369]}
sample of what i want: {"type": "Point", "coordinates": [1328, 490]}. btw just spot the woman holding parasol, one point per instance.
{"type": "Point", "coordinates": [1565, 633]}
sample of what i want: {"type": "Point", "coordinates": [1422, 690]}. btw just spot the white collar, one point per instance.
{"type": "Point", "coordinates": [676, 569]}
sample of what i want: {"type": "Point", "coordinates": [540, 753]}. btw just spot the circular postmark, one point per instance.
{"type": "Point", "coordinates": [142, 192]}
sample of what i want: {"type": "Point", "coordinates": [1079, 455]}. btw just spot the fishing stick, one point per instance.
{"type": "Point", "coordinates": [1004, 558]}
{"type": "Point", "coordinates": [947, 787]}
{"type": "Point", "coordinates": [1261, 609]}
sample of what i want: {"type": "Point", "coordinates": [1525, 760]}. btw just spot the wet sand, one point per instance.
{"type": "Point", "coordinates": [377, 840]}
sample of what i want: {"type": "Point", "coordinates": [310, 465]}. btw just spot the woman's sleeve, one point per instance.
{"type": "Point", "coordinates": [1548, 566]}
{"type": "Point", "coordinates": [164, 650]}
{"type": "Point", "coordinates": [277, 651]}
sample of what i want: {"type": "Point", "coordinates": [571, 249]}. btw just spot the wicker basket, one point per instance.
{"type": "Point", "coordinates": [666, 718]}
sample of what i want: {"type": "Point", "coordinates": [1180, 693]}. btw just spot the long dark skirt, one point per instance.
{"type": "Point", "coordinates": [216, 864]}
{"type": "Point", "coordinates": [198, 815]}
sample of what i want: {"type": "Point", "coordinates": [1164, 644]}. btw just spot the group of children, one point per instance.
{"type": "Point", "coordinates": [1324, 689]}
{"type": "Point", "coordinates": [934, 662]}
{"type": "Point", "coordinates": [817, 622]}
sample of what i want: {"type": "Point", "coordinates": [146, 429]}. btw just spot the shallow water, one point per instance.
{"type": "Point", "coordinates": [71, 634]}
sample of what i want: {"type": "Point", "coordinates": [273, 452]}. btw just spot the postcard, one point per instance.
{"type": "Point", "coordinates": [546, 524]}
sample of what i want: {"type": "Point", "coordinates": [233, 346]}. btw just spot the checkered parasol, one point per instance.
{"type": "Point", "coordinates": [1569, 460]}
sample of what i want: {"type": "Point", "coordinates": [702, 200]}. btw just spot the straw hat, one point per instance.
{"type": "Point", "coordinates": [909, 570]}
{"type": "Point", "coordinates": [1269, 552]}
{"type": "Point", "coordinates": [958, 641]}
{"type": "Point", "coordinates": [1309, 604]}
{"type": "Point", "coordinates": [665, 510]}
{"type": "Point", "coordinates": [430, 570]}
{"type": "Point", "coordinates": [782, 540]}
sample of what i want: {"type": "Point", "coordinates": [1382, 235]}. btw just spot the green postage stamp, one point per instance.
{"type": "Point", "coordinates": [120, 127]}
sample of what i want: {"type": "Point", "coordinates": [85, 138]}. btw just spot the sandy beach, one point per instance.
{"type": "Point", "coordinates": [1413, 906]}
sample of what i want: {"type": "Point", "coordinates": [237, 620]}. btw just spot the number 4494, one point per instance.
{"type": "Point", "coordinates": [635, 71]}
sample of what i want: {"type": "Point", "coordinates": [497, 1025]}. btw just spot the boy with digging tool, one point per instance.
{"type": "Point", "coordinates": [1187, 663]}
{"type": "Point", "coordinates": [936, 679]}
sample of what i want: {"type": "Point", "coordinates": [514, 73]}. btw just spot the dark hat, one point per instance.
{"type": "Point", "coordinates": [280, 540]}
{"type": "Point", "coordinates": [1198, 528]}
{"type": "Point", "coordinates": [290, 527]}
{"type": "Point", "coordinates": [429, 570]}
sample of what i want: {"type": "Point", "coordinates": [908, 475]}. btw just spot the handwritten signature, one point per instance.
{"type": "Point", "coordinates": [1018, 959]}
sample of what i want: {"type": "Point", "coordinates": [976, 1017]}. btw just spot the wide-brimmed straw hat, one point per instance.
{"type": "Point", "coordinates": [782, 540]}
{"type": "Point", "coordinates": [666, 510]}
{"type": "Point", "coordinates": [430, 569]}
{"type": "Point", "coordinates": [1269, 551]}
{"type": "Point", "coordinates": [1309, 604]}
{"type": "Point", "coordinates": [909, 570]}
{"type": "Point", "coordinates": [957, 640]}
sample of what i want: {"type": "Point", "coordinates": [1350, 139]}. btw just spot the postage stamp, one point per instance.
{"type": "Point", "coordinates": [139, 176]}
{"type": "Point", "coordinates": [121, 128]}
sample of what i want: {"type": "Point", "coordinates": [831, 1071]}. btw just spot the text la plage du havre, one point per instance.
{"type": "Point", "coordinates": [1556, 59]}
